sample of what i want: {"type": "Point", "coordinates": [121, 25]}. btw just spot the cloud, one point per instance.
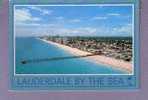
{"type": "Point", "coordinates": [86, 31]}
{"type": "Point", "coordinates": [54, 29]}
{"type": "Point", "coordinates": [126, 29]}
{"type": "Point", "coordinates": [41, 10]}
{"type": "Point", "coordinates": [62, 19]}
{"type": "Point", "coordinates": [59, 18]}
{"type": "Point", "coordinates": [40, 29]}
{"type": "Point", "coordinates": [22, 15]}
{"type": "Point", "coordinates": [114, 14]}
{"type": "Point", "coordinates": [99, 18]}
{"type": "Point", "coordinates": [75, 20]}
{"type": "Point", "coordinates": [26, 24]}
{"type": "Point", "coordinates": [35, 25]}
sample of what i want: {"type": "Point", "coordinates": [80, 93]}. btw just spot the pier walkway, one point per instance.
{"type": "Point", "coordinates": [55, 58]}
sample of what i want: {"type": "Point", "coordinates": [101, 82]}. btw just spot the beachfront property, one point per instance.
{"type": "Point", "coordinates": [97, 41]}
{"type": "Point", "coordinates": [114, 47]}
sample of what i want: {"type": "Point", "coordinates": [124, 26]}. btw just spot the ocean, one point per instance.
{"type": "Point", "coordinates": [32, 48]}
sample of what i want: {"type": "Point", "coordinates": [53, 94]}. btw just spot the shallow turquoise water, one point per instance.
{"type": "Point", "coordinates": [32, 48]}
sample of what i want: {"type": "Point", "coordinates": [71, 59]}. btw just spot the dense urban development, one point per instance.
{"type": "Point", "coordinates": [115, 47]}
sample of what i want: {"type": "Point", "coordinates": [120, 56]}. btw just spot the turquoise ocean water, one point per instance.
{"type": "Point", "coordinates": [33, 48]}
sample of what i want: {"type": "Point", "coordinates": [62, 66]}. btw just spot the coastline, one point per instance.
{"type": "Point", "coordinates": [97, 59]}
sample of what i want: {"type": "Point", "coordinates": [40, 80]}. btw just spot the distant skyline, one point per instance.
{"type": "Point", "coordinates": [97, 20]}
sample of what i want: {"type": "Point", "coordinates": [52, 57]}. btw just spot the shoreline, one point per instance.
{"type": "Point", "coordinates": [97, 59]}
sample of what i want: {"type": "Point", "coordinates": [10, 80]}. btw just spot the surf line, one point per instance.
{"type": "Point", "coordinates": [55, 58]}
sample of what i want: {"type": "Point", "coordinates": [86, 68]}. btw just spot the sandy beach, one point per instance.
{"type": "Point", "coordinates": [98, 59]}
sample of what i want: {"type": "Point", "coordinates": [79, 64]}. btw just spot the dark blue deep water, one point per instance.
{"type": "Point", "coordinates": [33, 48]}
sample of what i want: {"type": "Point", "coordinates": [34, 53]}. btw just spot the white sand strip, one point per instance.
{"type": "Point", "coordinates": [98, 59]}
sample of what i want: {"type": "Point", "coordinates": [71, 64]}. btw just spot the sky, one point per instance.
{"type": "Point", "coordinates": [82, 20]}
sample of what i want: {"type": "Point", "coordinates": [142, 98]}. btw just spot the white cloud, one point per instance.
{"type": "Point", "coordinates": [26, 24]}
{"type": "Point", "coordinates": [75, 20]}
{"type": "Point", "coordinates": [35, 25]}
{"type": "Point", "coordinates": [34, 29]}
{"type": "Point", "coordinates": [22, 15]}
{"type": "Point", "coordinates": [53, 29]}
{"type": "Point", "coordinates": [86, 31]}
{"type": "Point", "coordinates": [114, 14]}
{"type": "Point", "coordinates": [123, 30]}
{"type": "Point", "coordinates": [99, 18]}
{"type": "Point", "coordinates": [41, 10]}
{"type": "Point", "coordinates": [59, 18]}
